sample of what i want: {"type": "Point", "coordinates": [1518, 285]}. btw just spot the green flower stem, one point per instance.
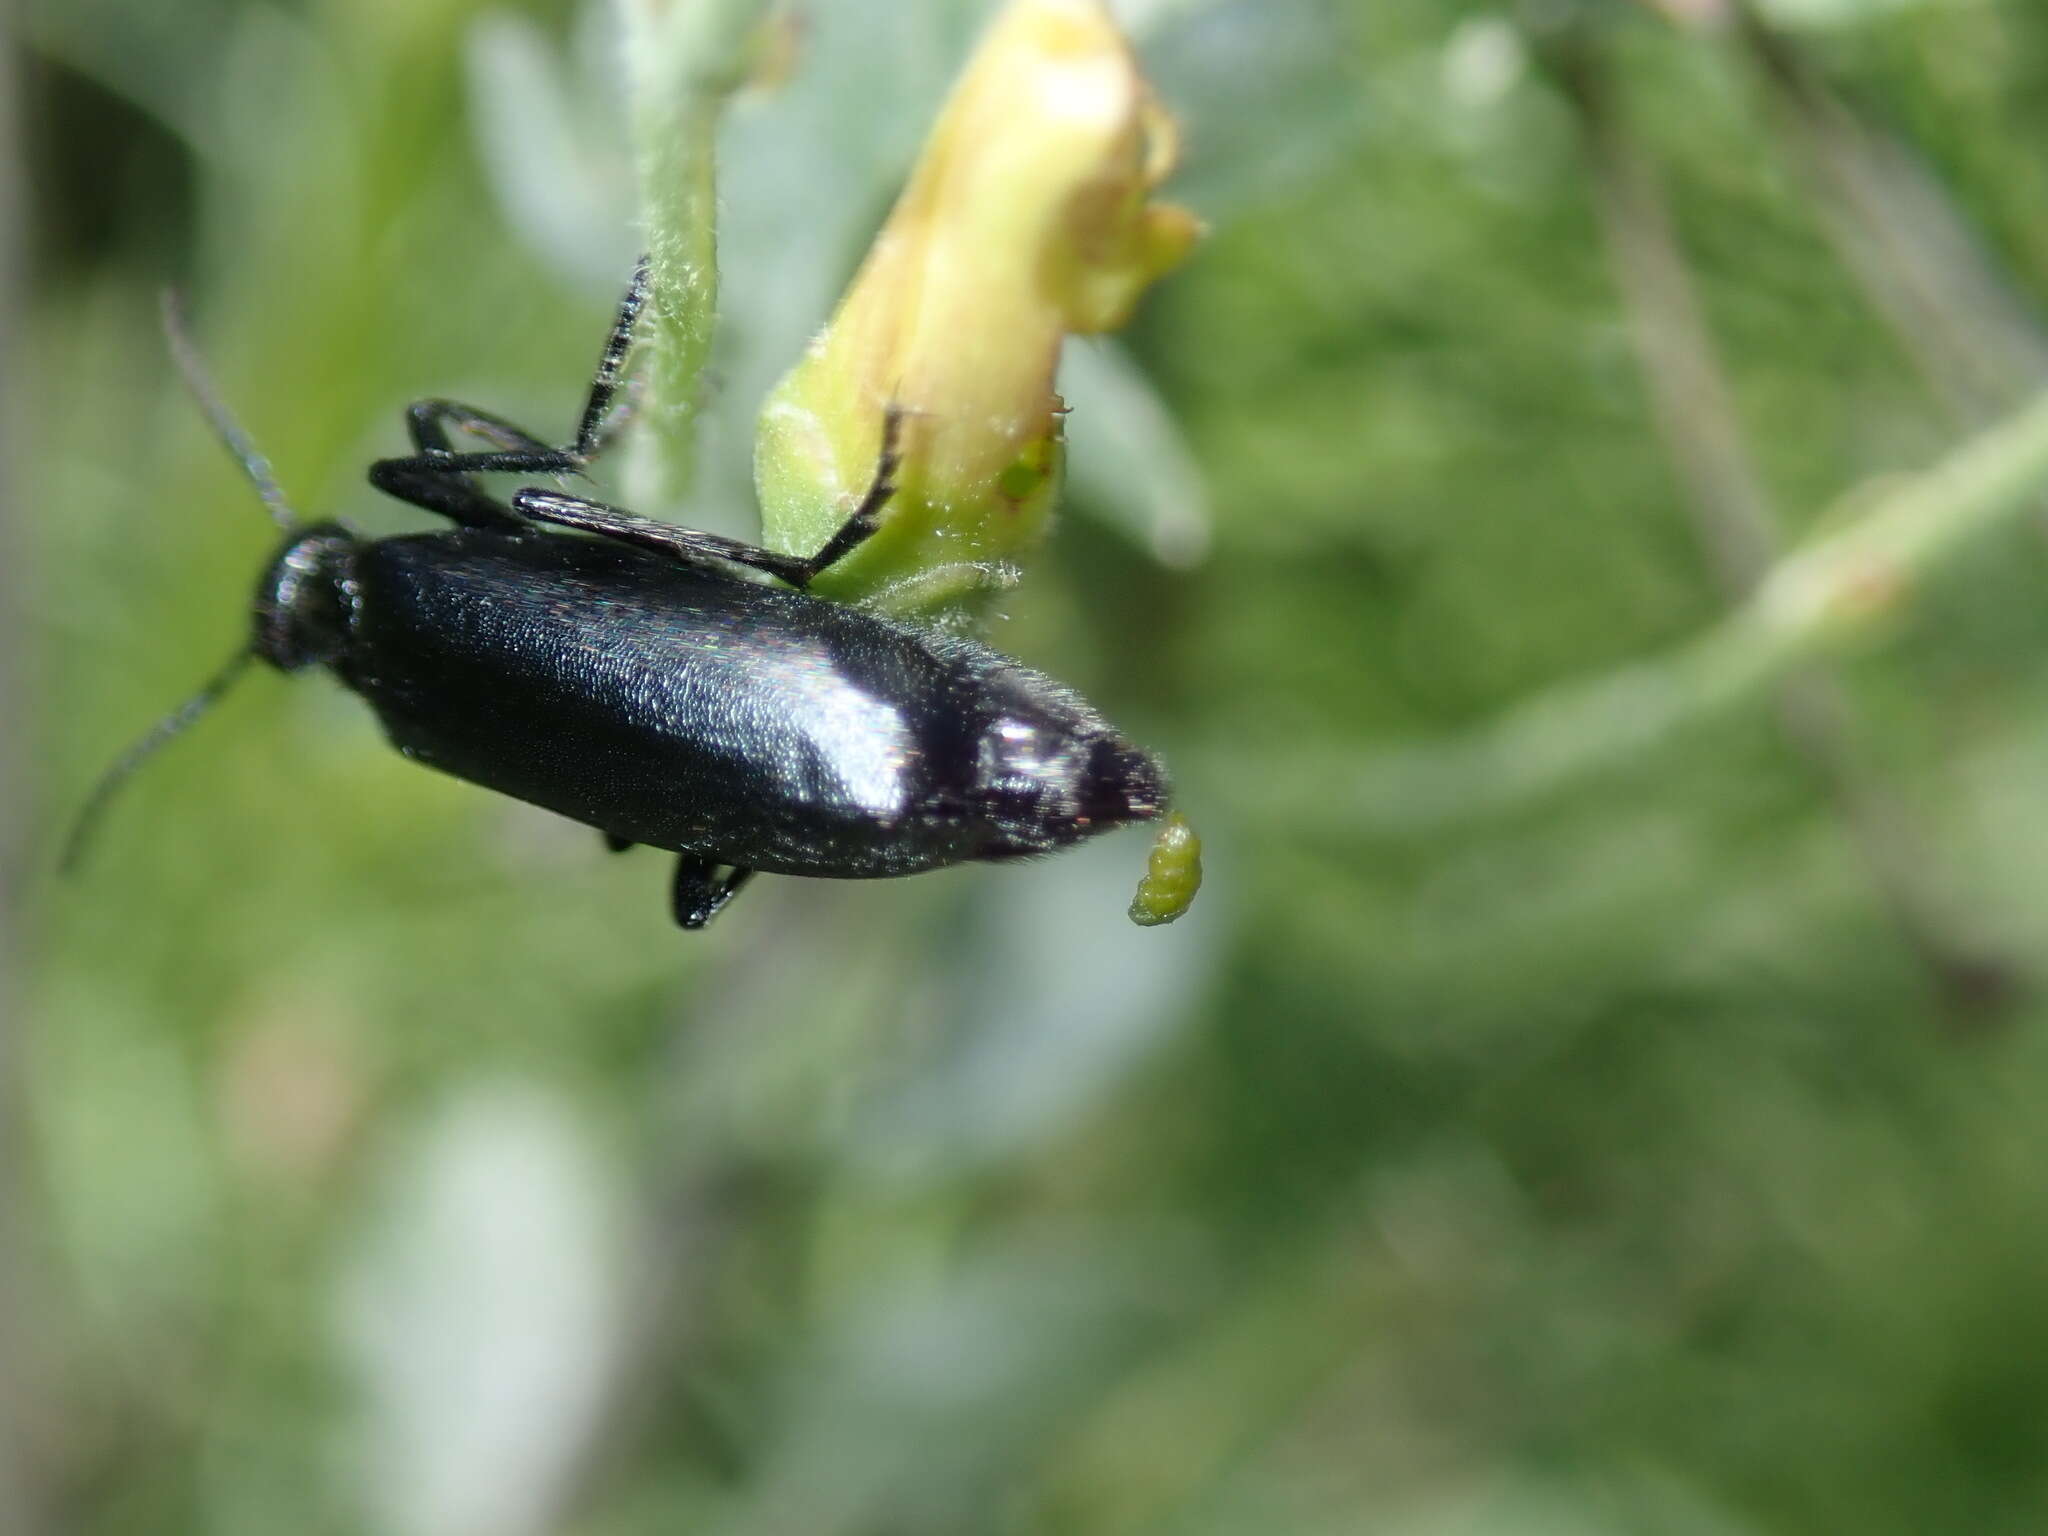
{"type": "Point", "coordinates": [684, 59]}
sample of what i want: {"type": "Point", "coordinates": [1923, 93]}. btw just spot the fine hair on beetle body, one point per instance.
{"type": "Point", "coordinates": [642, 679]}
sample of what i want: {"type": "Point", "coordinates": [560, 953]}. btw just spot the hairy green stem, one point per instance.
{"type": "Point", "coordinates": [684, 59]}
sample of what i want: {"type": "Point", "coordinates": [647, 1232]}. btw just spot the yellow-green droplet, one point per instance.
{"type": "Point", "coordinates": [1173, 873]}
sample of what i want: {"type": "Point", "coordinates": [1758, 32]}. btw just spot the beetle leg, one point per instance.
{"type": "Point", "coordinates": [437, 478]}
{"type": "Point", "coordinates": [520, 452]}
{"type": "Point", "coordinates": [867, 517]}
{"type": "Point", "coordinates": [685, 544]}
{"type": "Point", "coordinates": [428, 421]}
{"type": "Point", "coordinates": [616, 843]}
{"type": "Point", "coordinates": [699, 894]}
{"type": "Point", "coordinates": [690, 545]}
{"type": "Point", "coordinates": [433, 484]}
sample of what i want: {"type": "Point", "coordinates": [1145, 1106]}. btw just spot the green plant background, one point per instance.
{"type": "Point", "coordinates": [1660, 1152]}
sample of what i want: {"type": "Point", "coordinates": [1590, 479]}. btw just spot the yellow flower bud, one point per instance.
{"type": "Point", "coordinates": [1028, 216]}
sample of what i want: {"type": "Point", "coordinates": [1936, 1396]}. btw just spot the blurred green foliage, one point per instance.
{"type": "Point", "coordinates": [1613, 1161]}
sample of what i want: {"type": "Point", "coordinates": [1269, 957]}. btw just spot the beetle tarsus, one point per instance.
{"type": "Point", "coordinates": [700, 894]}
{"type": "Point", "coordinates": [616, 843]}
{"type": "Point", "coordinates": [599, 423]}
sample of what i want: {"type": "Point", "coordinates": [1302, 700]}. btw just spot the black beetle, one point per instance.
{"type": "Point", "coordinates": [636, 682]}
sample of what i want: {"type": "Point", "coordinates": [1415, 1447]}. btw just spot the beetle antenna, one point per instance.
{"type": "Point", "coordinates": [219, 417]}
{"type": "Point", "coordinates": [140, 752]}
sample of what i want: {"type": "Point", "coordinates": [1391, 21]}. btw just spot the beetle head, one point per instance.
{"type": "Point", "coordinates": [304, 600]}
